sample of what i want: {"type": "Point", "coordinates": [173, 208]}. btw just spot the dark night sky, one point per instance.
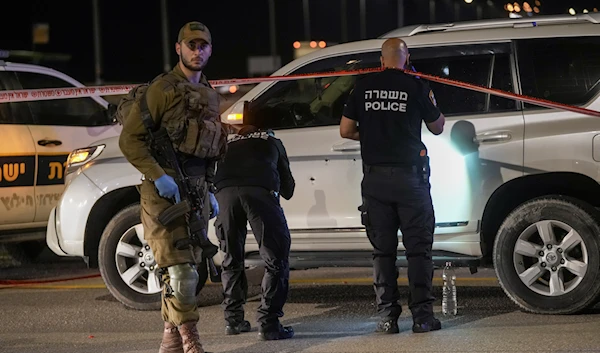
{"type": "Point", "coordinates": [131, 29]}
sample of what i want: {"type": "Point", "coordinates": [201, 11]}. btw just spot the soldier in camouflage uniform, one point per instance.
{"type": "Point", "coordinates": [188, 107]}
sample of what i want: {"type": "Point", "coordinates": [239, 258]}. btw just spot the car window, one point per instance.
{"type": "Point", "coordinates": [502, 79]}
{"type": "Point", "coordinates": [11, 113]}
{"type": "Point", "coordinates": [319, 102]}
{"type": "Point", "coordinates": [72, 112]}
{"type": "Point", "coordinates": [311, 102]}
{"type": "Point", "coordinates": [485, 65]}
{"type": "Point", "coordinates": [564, 70]}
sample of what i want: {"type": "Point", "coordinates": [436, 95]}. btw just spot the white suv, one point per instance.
{"type": "Point", "coordinates": [37, 137]}
{"type": "Point", "coordinates": [513, 185]}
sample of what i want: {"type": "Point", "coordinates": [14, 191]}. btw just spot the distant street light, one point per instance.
{"type": "Point", "coordinates": [572, 11]}
{"type": "Point", "coordinates": [468, 1]}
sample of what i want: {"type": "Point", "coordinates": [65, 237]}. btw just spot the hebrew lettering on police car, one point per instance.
{"type": "Point", "coordinates": [383, 94]}
{"type": "Point", "coordinates": [11, 171]}
{"type": "Point", "coordinates": [47, 199]}
{"type": "Point", "coordinates": [56, 169]}
{"type": "Point", "coordinates": [368, 94]}
{"type": "Point", "coordinates": [16, 201]}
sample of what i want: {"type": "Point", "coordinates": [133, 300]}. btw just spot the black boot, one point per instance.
{"type": "Point", "coordinates": [387, 325]}
{"type": "Point", "coordinates": [432, 325]}
{"type": "Point", "coordinates": [281, 334]}
{"type": "Point", "coordinates": [236, 328]}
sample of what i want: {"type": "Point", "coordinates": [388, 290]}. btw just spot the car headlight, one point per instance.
{"type": "Point", "coordinates": [81, 156]}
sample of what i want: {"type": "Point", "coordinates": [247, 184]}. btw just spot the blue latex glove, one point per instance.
{"type": "Point", "coordinates": [167, 187]}
{"type": "Point", "coordinates": [214, 205]}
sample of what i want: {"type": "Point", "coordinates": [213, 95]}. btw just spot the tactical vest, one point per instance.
{"type": "Point", "coordinates": [194, 124]}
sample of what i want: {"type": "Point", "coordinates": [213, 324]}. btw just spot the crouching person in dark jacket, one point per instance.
{"type": "Point", "coordinates": [249, 180]}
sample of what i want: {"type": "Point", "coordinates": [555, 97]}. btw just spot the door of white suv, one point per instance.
{"type": "Point", "coordinates": [17, 161]}
{"type": "Point", "coordinates": [60, 126]}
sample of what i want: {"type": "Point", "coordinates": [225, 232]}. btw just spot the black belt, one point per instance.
{"type": "Point", "coordinates": [390, 169]}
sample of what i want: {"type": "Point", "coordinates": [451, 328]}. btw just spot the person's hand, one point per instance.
{"type": "Point", "coordinates": [214, 205]}
{"type": "Point", "coordinates": [167, 187]}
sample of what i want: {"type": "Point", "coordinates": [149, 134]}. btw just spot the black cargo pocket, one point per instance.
{"type": "Point", "coordinates": [221, 236]}
{"type": "Point", "coordinates": [364, 214]}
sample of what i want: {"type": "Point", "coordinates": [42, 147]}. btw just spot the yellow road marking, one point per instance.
{"type": "Point", "coordinates": [370, 280]}
{"type": "Point", "coordinates": [365, 280]}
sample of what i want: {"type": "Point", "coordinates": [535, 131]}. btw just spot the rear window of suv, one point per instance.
{"type": "Point", "coordinates": [564, 70]}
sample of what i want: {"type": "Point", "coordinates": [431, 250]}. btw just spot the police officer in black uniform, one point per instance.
{"type": "Point", "coordinates": [389, 107]}
{"type": "Point", "coordinates": [249, 180]}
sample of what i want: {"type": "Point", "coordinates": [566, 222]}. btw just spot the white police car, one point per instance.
{"type": "Point", "coordinates": [37, 137]}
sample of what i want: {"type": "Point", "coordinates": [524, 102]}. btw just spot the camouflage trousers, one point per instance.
{"type": "Point", "coordinates": [161, 240]}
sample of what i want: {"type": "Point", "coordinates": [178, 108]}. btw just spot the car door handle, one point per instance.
{"type": "Point", "coordinates": [492, 136]}
{"type": "Point", "coordinates": [49, 142]}
{"type": "Point", "coordinates": [346, 146]}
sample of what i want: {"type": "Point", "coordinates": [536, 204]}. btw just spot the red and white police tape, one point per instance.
{"type": "Point", "coordinates": [76, 92]}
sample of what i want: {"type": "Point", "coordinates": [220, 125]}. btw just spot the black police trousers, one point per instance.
{"type": "Point", "coordinates": [239, 205]}
{"type": "Point", "coordinates": [399, 198]}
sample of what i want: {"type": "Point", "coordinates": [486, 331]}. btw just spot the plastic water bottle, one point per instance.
{"type": "Point", "coordinates": [449, 306]}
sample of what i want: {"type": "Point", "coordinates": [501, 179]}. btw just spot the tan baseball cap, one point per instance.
{"type": "Point", "coordinates": [194, 30]}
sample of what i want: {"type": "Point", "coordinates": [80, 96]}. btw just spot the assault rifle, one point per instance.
{"type": "Point", "coordinates": [192, 197]}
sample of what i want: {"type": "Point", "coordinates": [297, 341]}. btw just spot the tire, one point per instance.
{"type": "Point", "coordinates": [123, 229]}
{"type": "Point", "coordinates": [568, 225]}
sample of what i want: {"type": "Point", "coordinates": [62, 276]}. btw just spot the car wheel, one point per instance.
{"type": "Point", "coordinates": [547, 255]}
{"type": "Point", "coordinates": [127, 262]}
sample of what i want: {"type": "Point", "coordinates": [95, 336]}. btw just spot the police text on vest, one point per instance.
{"type": "Point", "coordinates": [381, 104]}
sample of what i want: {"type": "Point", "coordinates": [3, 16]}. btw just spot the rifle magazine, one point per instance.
{"type": "Point", "coordinates": [172, 213]}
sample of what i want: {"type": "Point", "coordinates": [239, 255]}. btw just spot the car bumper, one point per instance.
{"type": "Point", "coordinates": [52, 235]}
{"type": "Point", "coordinates": [67, 222]}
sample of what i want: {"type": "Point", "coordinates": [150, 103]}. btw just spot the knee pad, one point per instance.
{"type": "Point", "coordinates": [183, 281]}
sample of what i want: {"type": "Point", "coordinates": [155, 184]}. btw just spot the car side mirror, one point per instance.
{"type": "Point", "coordinates": [111, 112]}
{"type": "Point", "coordinates": [249, 116]}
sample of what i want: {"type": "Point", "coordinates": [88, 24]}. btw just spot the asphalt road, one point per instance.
{"type": "Point", "coordinates": [331, 310]}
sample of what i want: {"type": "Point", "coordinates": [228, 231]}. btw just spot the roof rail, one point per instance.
{"type": "Point", "coordinates": [495, 23]}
